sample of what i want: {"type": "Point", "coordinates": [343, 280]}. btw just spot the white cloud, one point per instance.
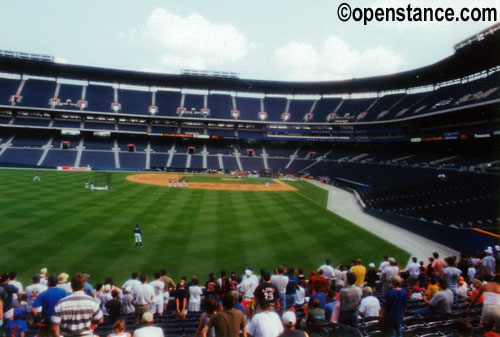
{"type": "Point", "coordinates": [59, 59]}
{"type": "Point", "coordinates": [300, 59]}
{"type": "Point", "coordinates": [335, 59]}
{"type": "Point", "coordinates": [191, 41]}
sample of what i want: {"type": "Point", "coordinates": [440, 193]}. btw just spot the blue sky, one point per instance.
{"type": "Point", "coordinates": [261, 39]}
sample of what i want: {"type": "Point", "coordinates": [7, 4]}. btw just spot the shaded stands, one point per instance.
{"type": "Point", "coordinates": [8, 88]}
{"type": "Point", "coordinates": [463, 200]}
{"type": "Point", "coordinates": [220, 106]}
{"type": "Point", "coordinates": [37, 93]}
{"type": "Point", "coordinates": [248, 107]}
{"type": "Point", "coordinates": [324, 107]}
{"type": "Point", "coordinates": [277, 164]}
{"type": "Point", "coordinates": [134, 102]}
{"type": "Point", "coordinates": [402, 107]}
{"type": "Point", "coordinates": [57, 141]}
{"type": "Point", "coordinates": [298, 165]}
{"type": "Point", "coordinates": [168, 102]}
{"type": "Point", "coordinates": [351, 108]}
{"type": "Point", "coordinates": [382, 106]}
{"type": "Point", "coordinates": [249, 134]}
{"type": "Point", "coordinates": [27, 140]}
{"type": "Point", "coordinates": [161, 144]}
{"type": "Point", "coordinates": [195, 102]}
{"type": "Point", "coordinates": [69, 95]}
{"type": "Point", "coordinates": [221, 148]}
{"type": "Point", "coordinates": [298, 109]}
{"type": "Point", "coordinates": [221, 132]}
{"type": "Point", "coordinates": [99, 98]}
{"type": "Point", "coordinates": [5, 119]}
{"type": "Point", "coordinates": [139, 144]}
{"type": "Point", "coordinates": [58, 123]}
{"type": "Point", "coordinates": [92, 143]}
{"type": "Point", "coordinates": [99, 126]}
{"type": "Point", "coordinates": [274, 107]}
{"type": "Point", "coordinates": [31, 121]}
{"type": "Point", "coordinates": [133, 127]}
{"type": "Point", "coordinates": [282, 151]}
{"type": "Point", "coordinates": [163, 129]}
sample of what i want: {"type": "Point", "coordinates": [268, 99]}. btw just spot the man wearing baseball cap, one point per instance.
{"type": "Point", "coordinates": [289, 321]}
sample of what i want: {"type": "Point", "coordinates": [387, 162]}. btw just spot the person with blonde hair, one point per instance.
{"type": "Point", "coordinates": [119, 329]}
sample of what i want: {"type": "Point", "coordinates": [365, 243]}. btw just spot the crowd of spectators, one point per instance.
{"type": "Point", "coordinates": [256, 305]}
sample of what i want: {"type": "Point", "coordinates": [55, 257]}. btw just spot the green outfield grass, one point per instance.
{"type": "Point", "coordinates": [58, 224]}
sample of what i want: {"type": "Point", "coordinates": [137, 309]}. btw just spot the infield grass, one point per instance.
{"type": "Point", "coordinates": [58, 224]}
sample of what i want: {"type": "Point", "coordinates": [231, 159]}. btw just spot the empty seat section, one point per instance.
{"type": "Point", "coordinates": [74, 124]}
{"type": "Point", "coordinates": [21, 156]}
{"type": "Point", "coordinates": [179, 161]}
{"type": "Point", "coordinates": [220, 106]}
{"type": "Point", "coordinates": [37, 93]}
{"type": "Point", "coordinates": [230, 163]}
{"type": "Point", "coordinates": [133, 127]}
{"type": "Point", "coordinates": [98, 125]}
{"type": "Point", "coordinates": [57, 157]}
{"type": "Point", "coordinates": [249, 108]}
{"type": "Point", "coordinates": [381, 107]}
{"type": "Point", "coordinates": [130, 160]}
{"type": "Point", "coordinates": [31, 121]}
{"type": "Point", "coordinates": [69, 95]}
{"type": "Point", "coordinates": [196, 162]}
{"type": "Point", "coordinates": [213, 162]}
{"type": "Point", "coordinates": [274, 107]}
{"type": "Point", "coordinates": [168, 102]}
{"type": "Point", "coordinates": [193, 102]}
{"type": "Point", "coordinates": [8, 87]}
{"type": "Point", "coordinates": [134, 101]}
{"type": "Point", "coordinates": [98, 159]}
{"type": "Point", "coordinates": [158, 160]}
{"type": "Point", "coordinates": [252, 164]}
{"type": "Point", "coordinates": [99, 98]}
{"type": "Point", "coordinates": [298, 109]}
{"type": "Point", "coordinates": [324, 107]}
{"type": "Point", "coordinates": [350, 108]}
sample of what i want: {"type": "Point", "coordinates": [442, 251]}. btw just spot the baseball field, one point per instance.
{"type": "Point", "coordinates": [59, 224]}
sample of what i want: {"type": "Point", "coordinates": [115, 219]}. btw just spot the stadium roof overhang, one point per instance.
{"type": "Point", "coordinates": [480, 56]}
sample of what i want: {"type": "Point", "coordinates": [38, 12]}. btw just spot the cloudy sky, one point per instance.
{"type": "Point", "coordinates": [260, 39]}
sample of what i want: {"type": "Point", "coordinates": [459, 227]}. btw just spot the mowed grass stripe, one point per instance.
{"type": "Point", "coordinates": [197, 232]}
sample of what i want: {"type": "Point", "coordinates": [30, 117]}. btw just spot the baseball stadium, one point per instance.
{"type": "Point", "coordinates": [227, 173]}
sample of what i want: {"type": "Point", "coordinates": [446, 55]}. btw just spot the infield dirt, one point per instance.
{"type": "Point", "coordinates": [161, 179]}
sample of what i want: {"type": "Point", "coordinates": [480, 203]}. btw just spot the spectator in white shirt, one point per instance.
{"type": "Point", "coordinates": [370, 305]}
